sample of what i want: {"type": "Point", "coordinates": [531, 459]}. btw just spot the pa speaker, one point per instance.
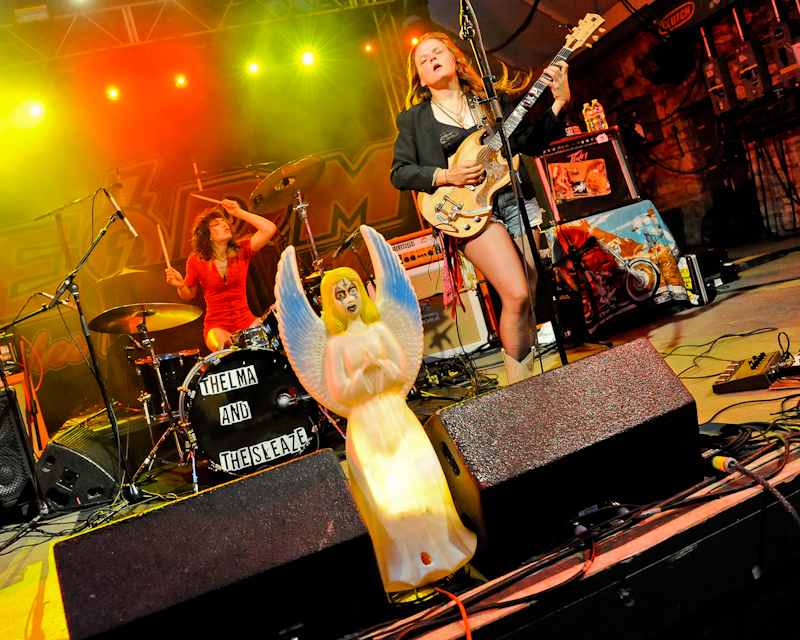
{"type": "Point", "coordinates": [17, 490]}
{"type": "Point", "coordinates": [280, 553]}
{"type": "Point", "coordinates": [524, 461]}
{"type": "Point", "coordinates": [78, 468]}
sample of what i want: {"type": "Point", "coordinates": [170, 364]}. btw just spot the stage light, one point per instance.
{"type": "Point", "coordinates": [253, 67]}
{"type": "Point", "coordinates": [307, 58]}
{"type": "Point", "coordinates": [414, 41]}
{"type": "Point", "coordinates": [180, 80]}
{"type": "Point", "coordinates": [27, 114]}
{"type": "Point", "coordinates": [112, 93]}
{"type": "Point", "coordinates": [368, 48]}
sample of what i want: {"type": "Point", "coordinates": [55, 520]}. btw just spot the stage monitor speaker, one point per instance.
{"type": "Point", "coordinates": [79, 468]}
{"type": "Point", "coordinates": [281, 553]}
{"type": "Point", "coordinates": [444, 337]}
{"type": "Point", "coordinates": [580, 158]}
{"type": "Point", "coordinates": [524, 461]}
{"type": "Point", "coordinates": [17, 490]}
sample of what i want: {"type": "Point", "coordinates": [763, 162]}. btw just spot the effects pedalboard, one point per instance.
{"type": "Point", "coordinates": [757, 372]}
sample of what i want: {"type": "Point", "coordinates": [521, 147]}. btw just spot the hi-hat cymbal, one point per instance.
{"type": "Point", "coordinates": [277, 190]}
{"type": "Point", "coordinates": [156, 315]}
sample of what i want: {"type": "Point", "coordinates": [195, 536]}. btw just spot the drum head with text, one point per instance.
{"type": "Point", "coordinates": [242, 407]}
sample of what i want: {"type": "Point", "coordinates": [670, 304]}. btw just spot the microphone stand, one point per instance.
{"type": "Point", "coordinates": [131, 491]}
{"type": "Point", "coordinates": [470, 31]}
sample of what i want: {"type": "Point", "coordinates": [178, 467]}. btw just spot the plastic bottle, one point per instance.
{"type": "Point", "coordinates": [588, 117]}
{"type": "Point", "coordinates": [599, 116]}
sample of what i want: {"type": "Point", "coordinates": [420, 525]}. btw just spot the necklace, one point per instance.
{"type": "Point", "coordinates": [455, 116]}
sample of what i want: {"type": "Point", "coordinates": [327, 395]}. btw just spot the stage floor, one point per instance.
{"type": "Point", "coordinates": [752, 310]}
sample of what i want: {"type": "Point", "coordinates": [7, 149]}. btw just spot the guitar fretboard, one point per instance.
{"type": "Point", "coordinates": [527, 102]}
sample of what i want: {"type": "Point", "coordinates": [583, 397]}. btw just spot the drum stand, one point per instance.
{"type": "Point", "coordinates": [300, 208]}
{"type": "Point", "coordinates": [147, 341]}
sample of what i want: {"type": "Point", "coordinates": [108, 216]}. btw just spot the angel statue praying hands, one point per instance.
{"type": "Point", "coordinates": [359, 360]}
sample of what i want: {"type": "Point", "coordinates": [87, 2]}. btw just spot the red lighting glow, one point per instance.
{"type": "Point", "coordinates": [180, 80]}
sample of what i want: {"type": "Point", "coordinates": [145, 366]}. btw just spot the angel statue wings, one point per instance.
{"type": "Point", "coordinates": [359, 360]}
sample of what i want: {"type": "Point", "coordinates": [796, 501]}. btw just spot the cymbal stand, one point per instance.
{"type": "Point", "coordinates": [147, 341]}
{"type": "Point", "coordinates": [300, 208]}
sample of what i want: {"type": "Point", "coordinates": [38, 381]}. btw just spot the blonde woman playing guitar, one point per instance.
{"type": "Point", "coordinates": [437, 119]}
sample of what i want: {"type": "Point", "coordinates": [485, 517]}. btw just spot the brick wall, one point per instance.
{"type": "Point", "coordinates": [754, 147]}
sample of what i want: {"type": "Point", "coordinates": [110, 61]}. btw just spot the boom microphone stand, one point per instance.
{"type": "Point", "coordinates": [131, 491]}
{"type": "Point", "coordinates": [470, 31]}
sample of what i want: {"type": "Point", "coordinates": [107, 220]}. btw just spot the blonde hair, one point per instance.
{"type": "Point", "coordinates": [335, 322]}
{"type": "Point", "coordinates": [469, 80]}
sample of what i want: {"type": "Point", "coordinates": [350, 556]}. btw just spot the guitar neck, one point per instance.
{"type": "Point", "coordinates": [527, 102]}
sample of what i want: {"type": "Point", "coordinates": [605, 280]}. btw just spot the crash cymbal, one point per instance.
{"type": "Point", "coordinates": [157, 315]}
{"type": "Point", "coordinates": [277, 190]}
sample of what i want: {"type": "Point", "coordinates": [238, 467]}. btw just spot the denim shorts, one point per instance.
{"type": "Point", "coordinates": [504, 211]}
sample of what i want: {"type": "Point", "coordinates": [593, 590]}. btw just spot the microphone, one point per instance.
{"type": "Point", "coordinates": [120, 214]}
{"type": "Point", "coordinates": [346, 243]}
{"type": "Point", "coordinates": [64, 302]}
{"type": "Point", "coordinates": [118, 185]}
{"type": "Point", "coordinates": [284, 400]}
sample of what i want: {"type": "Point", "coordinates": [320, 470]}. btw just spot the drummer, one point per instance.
{"type": "Point", "coordinates": [219, 265]}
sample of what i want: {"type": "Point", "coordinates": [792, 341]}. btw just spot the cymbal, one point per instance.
{"type": "Point", "coordinates": [157, 315]}
{"type": "Point", "coordinates": [277, 190]}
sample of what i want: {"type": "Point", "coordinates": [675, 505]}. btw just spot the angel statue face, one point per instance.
{"type": "Point", "coordinates": [347, 298]}
{"type": "Point", "coordinates": [344, 299]}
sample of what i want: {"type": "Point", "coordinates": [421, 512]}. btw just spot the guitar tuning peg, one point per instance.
{"type": "Point", "coordinates": [588, 46]}
{"type": "Point", "coordinates": [595, 38]}
{"type": "Point", "coordinates": [601, 30]}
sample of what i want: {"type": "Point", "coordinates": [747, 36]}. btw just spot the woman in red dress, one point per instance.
{"type": "Point", "coordinates": [219, 265]}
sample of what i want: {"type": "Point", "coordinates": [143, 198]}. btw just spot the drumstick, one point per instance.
{"type": "Point", "coordinates": [163, 246]}
{"type": "Point", "coordinates": [195, 195]}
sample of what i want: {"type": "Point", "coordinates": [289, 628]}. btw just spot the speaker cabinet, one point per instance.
{"type": "Point", "coordinates": [524, 461]}
{"type": "Point", "coordinates": [586, 174]}
{"type": "Point", "coordinates": [280, 553]}
{"type": "Point", "coordinates": [78, 469]}
{"type": "Point", "coordinates": [443, 336]}
{"type": "Point", "coordinates": [17, 490]}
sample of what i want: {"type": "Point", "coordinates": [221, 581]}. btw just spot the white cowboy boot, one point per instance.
{"type": "Point", "coordinates": [516, 370]}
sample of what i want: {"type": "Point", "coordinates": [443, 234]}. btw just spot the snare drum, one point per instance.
{"type": "Point", "coordinates": [174, 368]}
{"type": "Point", "coordinates": [244, 407]}
{"type": "Point", "coordinates": [251, 338]}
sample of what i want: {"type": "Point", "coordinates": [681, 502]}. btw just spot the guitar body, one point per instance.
{"type": "Point", "coordinates": [464, 212]}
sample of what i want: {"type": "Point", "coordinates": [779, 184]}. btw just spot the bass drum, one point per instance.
{"type": "Point", "coordinates": [248, 410]}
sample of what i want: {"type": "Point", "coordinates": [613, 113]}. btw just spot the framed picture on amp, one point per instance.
{"type": "Point", "coordinates": [584, 175]}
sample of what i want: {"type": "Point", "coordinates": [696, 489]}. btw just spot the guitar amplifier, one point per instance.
{"type": "Point", "coordinates": [418, 248]}
{"type": "Point", "coordinates": [586, 174]}
{"type": "Point", "coordinates": [443, 336]}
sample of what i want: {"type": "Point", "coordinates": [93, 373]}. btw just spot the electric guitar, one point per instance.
{"type": "Point", "coordinates": [465, 211]}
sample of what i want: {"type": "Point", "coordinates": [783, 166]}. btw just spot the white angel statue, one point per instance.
{"type": "Point", "coordinates": [359, 360]}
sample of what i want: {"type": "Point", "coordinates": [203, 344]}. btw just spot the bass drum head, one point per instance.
{"type": "Point", "coordinates": [238, 404]}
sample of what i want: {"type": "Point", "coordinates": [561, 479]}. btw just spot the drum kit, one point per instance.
{"type": "Point", "coordinates": [243, 407]}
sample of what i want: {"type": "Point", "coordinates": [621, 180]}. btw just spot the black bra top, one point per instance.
{"type": "Point", "coordinates": [451, 137]}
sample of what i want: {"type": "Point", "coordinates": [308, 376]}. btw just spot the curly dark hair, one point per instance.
{"type": "Point", "coordinates": [469, 80]}
{"type": "Point", "coordinates": [201, 234]}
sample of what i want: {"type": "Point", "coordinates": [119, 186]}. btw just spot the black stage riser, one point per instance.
{"type": "Point", "coordinates": [285, 548]}
{"type": "Point", "coordinates": [733, 576]}
{"type": "Point", "coordinates": [524, 461]}
{"type": "Point", "coordinates": [17, 491]}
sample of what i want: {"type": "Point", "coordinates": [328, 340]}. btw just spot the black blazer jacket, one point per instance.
{"type": "Point", "coordinates": [418, 153]}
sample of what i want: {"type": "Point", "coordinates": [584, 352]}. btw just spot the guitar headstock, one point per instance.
{"type": "Point", "coordinates": [578, 37]}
